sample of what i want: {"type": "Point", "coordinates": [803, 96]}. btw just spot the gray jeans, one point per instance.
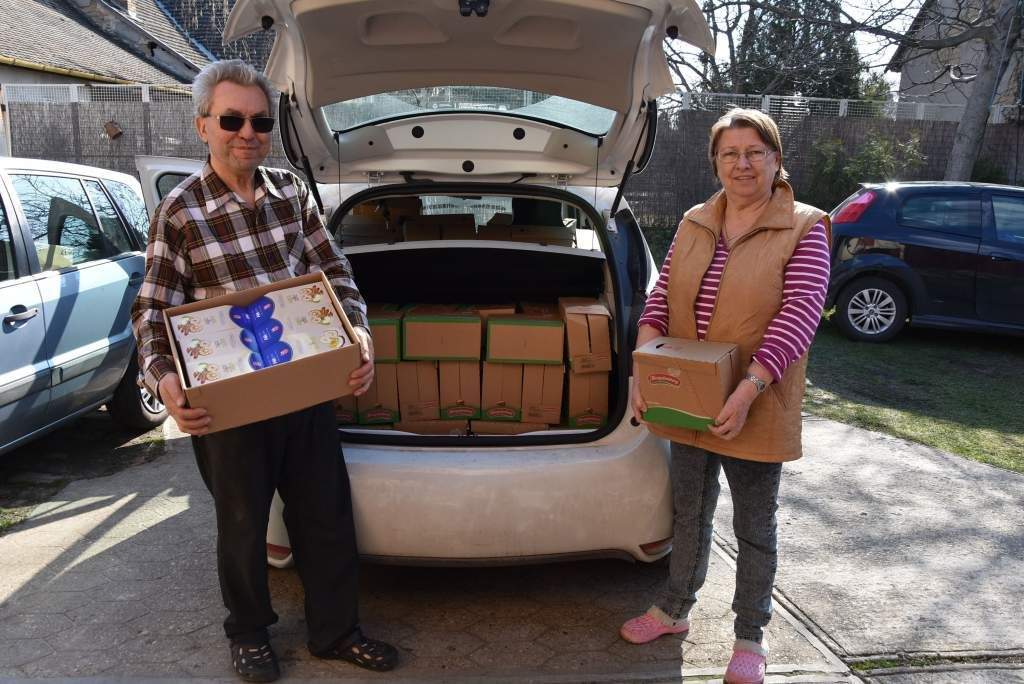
{"type": "Point", "coordinates": [695, 489]}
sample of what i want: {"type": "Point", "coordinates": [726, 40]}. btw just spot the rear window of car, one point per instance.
{"type": "Point", "coordinates": [132, 206]}
{"type": "Point", "coordinates": [561, 111]}
{"type": "Point", "coordinates": [942, 214]}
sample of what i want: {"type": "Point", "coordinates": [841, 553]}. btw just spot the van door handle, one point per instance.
{"type": "Point", "coordinates": [1000, 257]}
{"type": "Point", "coordinates": [135, 279]}
{"type": "Point", "coordinates": [19, 316]}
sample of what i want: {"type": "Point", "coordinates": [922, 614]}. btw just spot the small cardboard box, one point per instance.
{"type": "Point", "coordinates": [587, 338]}
{"type": "Point", "coordinates": [502, 394]}
{"type": "Point", "coordinates": [546, 235]}
{"type": "Point", "coordinates": [542, 393]}
{"type": "Point", "coordinates": [454, 428]}
{"type": "Point", "coordinates": [434, 226]}
{"type": "Point", "coordinates": [441, 333]}
{"type": "Point", "coordinates": [588, 400]}
{"type": "Point", "coordinates": [686, 382]}
{"type": "Point", "coordinates": [417, 391]}
{"type": "Point", "coordinates": [386, 331]}
{"type": "Point", "coordinates": [277, 390]}
{"type": "Point", "coordinates": [494, 232]}
{"type": "Point", "coordinates": [345, 411]}
{"type": "Point", "coordinates": [461, 230]}
{"type": "Point", "coordinates": [459, 389]}
{"type": "Point", "coordinates": [360, 229]}
{"type": "Point", "coordinates": [497, 427]}
{"type": "Point", "coordinates": [524, 339]}
{"type": "Point", "coordinates": [380, 403]}
{"type": "Point", "coordinates": [485, 311]}
{"type": "Point", "coordinates": [546, 309]}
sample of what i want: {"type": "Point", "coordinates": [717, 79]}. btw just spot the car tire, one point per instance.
{"type": "Point", "coordinates": [134, 406]}
{"type": "Point", "coordinates": [871, 309]}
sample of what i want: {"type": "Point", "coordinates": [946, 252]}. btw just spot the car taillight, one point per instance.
{"type": "Point", "coordinates": [854, 209]}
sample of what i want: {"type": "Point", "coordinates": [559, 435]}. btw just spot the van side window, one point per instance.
{"type": "Point", "coordinates": [168, 181]}
{"type": "Point", "coordinates": [1009, 216]}
{"type": "Point", "coordinates": [943, 214]}
{"type": "Point", "coordinates": [8, 269]}
{"type": "Point", "coordinates": [132, 207]}
{"type": "Point", "coordinates": [62, 223]}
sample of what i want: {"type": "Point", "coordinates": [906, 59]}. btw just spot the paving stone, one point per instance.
{"type": "Point", "coordinates": [31, 626]}
{"type": "Point", "coordinates": [77, 580]}
{"type": "Point", "coordinates": [147, 671]}
{"type": "Point", "coordinates": [214, 632]}
{"type": "Point", "coordinates": [437, 643]}
{"type": "Point", "coordinates": [177, 598]}
{"type": "Point", "coordinates": [580, 638]}
{"type": "Point", "coordinates": [18, 652]}
{"type": "Point", "coordinates": [631, 602]}
{"type": "Point", "coordinates": [120, 571]}
{"type": "Point", "coordinates": [441, 617]}
{"type": "Point", "coordinates": [438, 667]}
{"type": "Point", "coordinates": [90, 637]}
{"type": "Point", "coordinates": [506, 606]}
{"type": "Point", "coordinates": [133, 590]}
{"type": "Point", "coordinates": [586, 661]}
{"type": "Point", "coordinates": [571, 614]}
{"type": "Point", "coordinates": [104, 612]}
{"type": "Point", "coordinates": [505, 629]}
{"type": "Point", "coordinates": [177, 623]}
{"type": "Point", "coordinates": [512, 654]}
{"type": "Point", "coordinates": [140, 551]}
{"type": "Point", "coordinates": [157, 649]}
{"type": "Point", "coordinates": [83, 664]}
{"type": "Point", "coordinates": [43, 602]}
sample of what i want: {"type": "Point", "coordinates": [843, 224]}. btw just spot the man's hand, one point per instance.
{"type": "Point", "coordinates": [733, 417]}
{"type": "Point", "coordinates": [194, 421]}
{"type": "Point", "coordinates": [362, 377]}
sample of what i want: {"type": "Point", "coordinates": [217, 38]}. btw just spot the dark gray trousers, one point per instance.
{"type": "Point", "coordinates": [299, 455]}
{"type": "Point", "coordinates": [695, 490]}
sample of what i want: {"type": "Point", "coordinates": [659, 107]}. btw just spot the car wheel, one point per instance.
{"type": "Point", "coordinates": [871, 310]}
{"type": "Point", "coordinates": [136, 406]}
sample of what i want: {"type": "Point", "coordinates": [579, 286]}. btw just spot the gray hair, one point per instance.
{"type": "Point", "coordinates": [232, 70]}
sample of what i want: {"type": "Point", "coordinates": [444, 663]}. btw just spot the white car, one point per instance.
{"type": "Point", "coordinates": [525, 112]}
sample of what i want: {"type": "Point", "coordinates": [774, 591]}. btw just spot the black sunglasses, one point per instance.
{"type": "Point", "coordinates": [233, 122]}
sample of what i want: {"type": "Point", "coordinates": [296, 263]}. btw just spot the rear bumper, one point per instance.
{"type": "Point", "coordinates": [422, 505]}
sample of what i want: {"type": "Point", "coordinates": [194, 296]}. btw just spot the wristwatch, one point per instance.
{"type": "Point", "coordinates": [758, 382]}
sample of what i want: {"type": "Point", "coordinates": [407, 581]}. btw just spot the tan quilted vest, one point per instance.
{"type": "Point", "coordinates": [749, 297]}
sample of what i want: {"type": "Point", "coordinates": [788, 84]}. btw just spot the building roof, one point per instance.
{"type": "Point", "coordinates": [903, 52]}
{"type": "Point", "coordinates": [50, 33]}
{"type": "Point", "coordinates": [154, 17]}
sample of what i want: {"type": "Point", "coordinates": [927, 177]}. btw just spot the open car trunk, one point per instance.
{"type": "Point", "coordinates": [523, 245]}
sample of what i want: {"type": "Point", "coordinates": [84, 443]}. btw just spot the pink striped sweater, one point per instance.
{"type": "Point", "coordinates": [790, 333]}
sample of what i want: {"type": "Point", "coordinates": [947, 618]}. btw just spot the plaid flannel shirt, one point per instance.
{"type": "Point", "coordinates": [204, 242]}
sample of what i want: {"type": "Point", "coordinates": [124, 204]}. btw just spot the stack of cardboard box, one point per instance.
{"type": "Point", "coordinates": [489, 369]}
{"type": "Point", "coordinates": [589, 352]}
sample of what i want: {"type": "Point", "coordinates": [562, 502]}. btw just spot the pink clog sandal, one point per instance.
{"type": "Point", "coordinates": [748, 663]}
{"type": "Point", "coordinates": [651, 625]}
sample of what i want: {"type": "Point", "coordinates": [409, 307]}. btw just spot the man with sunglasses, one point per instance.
{"type": "Point", "coordinates": [233, 226]}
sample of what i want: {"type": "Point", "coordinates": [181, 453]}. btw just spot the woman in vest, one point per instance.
{"type": "Point", "coordinates": [749, 266]}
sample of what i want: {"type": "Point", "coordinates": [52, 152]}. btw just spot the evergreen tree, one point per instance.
{"type": "Point", "coordinates": [782, 56]}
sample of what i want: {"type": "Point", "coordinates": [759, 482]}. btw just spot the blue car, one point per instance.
{"type": "Point", "coordinates": [72, 258]}
{"type": "Point", "coordinates": [932, 254]}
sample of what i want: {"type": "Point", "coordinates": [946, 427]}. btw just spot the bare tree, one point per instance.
{"type": "Point", "coordinates": [963, 45]}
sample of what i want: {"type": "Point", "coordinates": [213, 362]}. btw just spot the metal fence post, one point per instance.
{"type": "Point", "coordinates": [5, 127]}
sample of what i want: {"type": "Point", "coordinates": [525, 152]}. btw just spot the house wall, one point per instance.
{"type": "Point", "coordinates": [10, 74]}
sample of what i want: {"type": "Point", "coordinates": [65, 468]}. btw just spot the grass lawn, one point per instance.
{"type": "Point", "coordinates": [958, 392]}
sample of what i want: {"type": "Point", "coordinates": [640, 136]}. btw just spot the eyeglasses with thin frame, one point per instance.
{"type": "Point", "coordinates": [234, 122]}
{"type": "Point", "coordinates": [755, 156]}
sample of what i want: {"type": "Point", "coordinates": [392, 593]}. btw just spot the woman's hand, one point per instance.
{"type": "Point", "coordinates": [733, 416]}
{"type": "Point", "coordinates": [639, 405]}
